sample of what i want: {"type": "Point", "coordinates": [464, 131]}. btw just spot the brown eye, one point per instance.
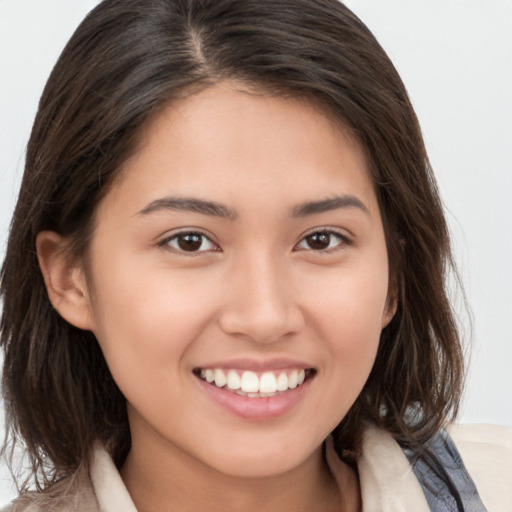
{"type": "Point", "coordinates": [190, 242]}
{"type": "Point", "coordinates": [322, 241]}
{"type": "Point", "coordinates": [318, 241]}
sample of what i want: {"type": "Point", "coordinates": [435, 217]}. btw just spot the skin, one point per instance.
{"type": "Point", "coordinates": [256, 289]}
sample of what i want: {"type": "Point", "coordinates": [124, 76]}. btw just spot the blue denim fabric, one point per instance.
{"type": "Point", "coordinates": [444, 479]}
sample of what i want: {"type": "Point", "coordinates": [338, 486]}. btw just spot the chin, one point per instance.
{"type": "Point", "coordinates": [261, 459]}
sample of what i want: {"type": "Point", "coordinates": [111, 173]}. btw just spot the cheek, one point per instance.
{"type": "Point", "coordinates": [146, 315]}
{"type": "Point", "coordinates": [348, 309]}
{"type": "Point", "coordinates": [348, 322]}
{"type": "Point", "coordinates": [351, 300]}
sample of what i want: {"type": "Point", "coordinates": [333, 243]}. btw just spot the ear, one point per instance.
{"type": "Point", "coordinates": [389, 310]}
{"type": "Point", "coordinates": [65, 283]}
{"type": "Point", "coordinates": [391, 303]}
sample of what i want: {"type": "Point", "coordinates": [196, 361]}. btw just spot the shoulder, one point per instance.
{"type": "Point", "coordinates": [95, 489]}
{"type": "Point", "coordinates": [72, 494]}
{"type": "Point", "coordinates": [486, 451]}
{"type": "Point", "coordinates": [389, 482]}
{"type": "Point", "coordinates": [480, 435]}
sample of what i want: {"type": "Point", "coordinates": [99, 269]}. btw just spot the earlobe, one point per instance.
{"type": "Point", "coordinates": [389, 311]}
{"type": "Point", "coordinates": [65, 283]}
{"type": "Point", "coordinates": [391, 304]}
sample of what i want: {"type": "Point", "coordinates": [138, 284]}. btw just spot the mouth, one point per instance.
{"type": "Point", "coordinates": [252, 384]}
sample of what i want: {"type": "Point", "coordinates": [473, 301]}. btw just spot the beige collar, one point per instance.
{"type": "Point", "coordinates": [389, 483]}
{"type": "Point", "coordinates": [109, 488]}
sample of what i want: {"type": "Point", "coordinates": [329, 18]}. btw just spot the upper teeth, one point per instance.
{"type": "Point", "coordinates": [251, 382]}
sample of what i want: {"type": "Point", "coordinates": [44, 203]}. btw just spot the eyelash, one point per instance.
{"type": "Point", "coordinates": [166, 243]}
{"type": "Point", "coordinates": [330, 232]}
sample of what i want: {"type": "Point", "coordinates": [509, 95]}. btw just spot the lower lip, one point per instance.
{"type": "Point", "coordinates": [257, 409]}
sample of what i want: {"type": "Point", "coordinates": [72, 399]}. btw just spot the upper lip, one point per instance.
{"type": "Point", "coordinates": [257, 365]}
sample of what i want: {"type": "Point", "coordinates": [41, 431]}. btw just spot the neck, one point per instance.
{"type": "Point", "coordinates": [167, 479]}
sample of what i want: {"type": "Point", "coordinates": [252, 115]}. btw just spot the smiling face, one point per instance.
{"type": "Point", "coordinates": [238, 278]}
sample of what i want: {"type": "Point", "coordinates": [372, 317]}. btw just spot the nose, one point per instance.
{"type": "Point", "coordinates": [261, 303]}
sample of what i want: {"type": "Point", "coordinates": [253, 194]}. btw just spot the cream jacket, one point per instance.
{"type": "Point", "coordinates": [387, 481]}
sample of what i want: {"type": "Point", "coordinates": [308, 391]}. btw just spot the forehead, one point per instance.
{"type": "Point", "coordinates": [230, 141]}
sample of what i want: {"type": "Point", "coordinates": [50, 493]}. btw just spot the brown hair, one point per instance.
{"type": "Point", "coordinates": [126, 61]}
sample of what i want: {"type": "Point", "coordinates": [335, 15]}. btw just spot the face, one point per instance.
{"type": "Point", "coordinates": [238, 278]}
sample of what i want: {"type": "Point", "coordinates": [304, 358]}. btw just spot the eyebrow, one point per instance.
{"type": "Point", "coordinates": [329, 204]}
{"type": "Point", "coordinates": [186, 204]}
{"type": "Point", "coordinates": [211, 208]}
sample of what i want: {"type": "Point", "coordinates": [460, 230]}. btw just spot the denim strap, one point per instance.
{"type": "Point", "coordinates": [443, 477]}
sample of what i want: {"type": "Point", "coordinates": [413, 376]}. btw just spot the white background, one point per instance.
{"type": "Point", "coordinates": [455, 57]}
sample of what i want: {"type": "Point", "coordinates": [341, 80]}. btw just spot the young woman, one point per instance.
{"type": "Point", "coordinates": [224, 283]}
